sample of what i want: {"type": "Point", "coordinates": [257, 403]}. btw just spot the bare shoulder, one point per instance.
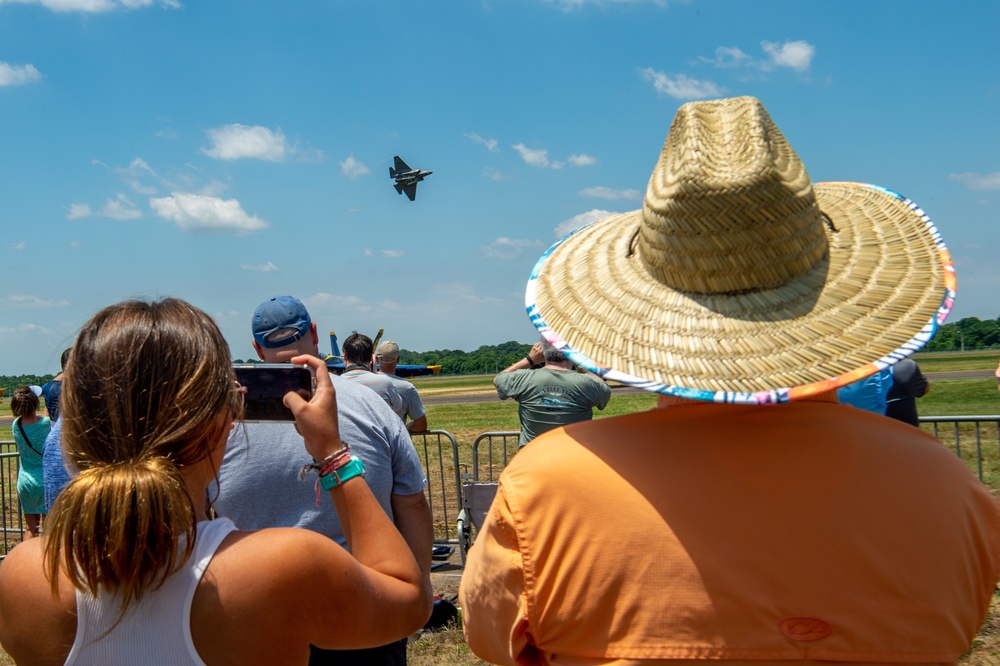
{"type": "Point", "coordinates": [28, 608]}
{"type": "Point", "coordinates": [277, 555]}
{"type": "Point", "coordinates": [256, 577]}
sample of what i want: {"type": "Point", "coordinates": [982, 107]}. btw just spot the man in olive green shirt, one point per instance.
{"type": "Point", "coordinates": [551, 396]}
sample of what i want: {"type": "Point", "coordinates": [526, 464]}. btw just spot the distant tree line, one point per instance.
{"type": "Point", "coordinates": [11, 382]}
{"type": "Point", "coordinates": [487, 360]}
{"type": "Point", "coordinates": [967, 334]}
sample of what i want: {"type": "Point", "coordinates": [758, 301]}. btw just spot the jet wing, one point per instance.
{"type": "Point", "coordinates": [411, 190]}
{"type": "Point", "coordinates": [401, 166]}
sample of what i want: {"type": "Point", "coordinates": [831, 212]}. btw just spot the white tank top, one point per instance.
{"type": "Point", "coordinates": [156, 629]}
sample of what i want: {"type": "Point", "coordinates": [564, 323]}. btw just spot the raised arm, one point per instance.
{"type": "Point", "coordinates": [384, 589]}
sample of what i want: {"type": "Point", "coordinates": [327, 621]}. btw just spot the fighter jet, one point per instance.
{"type": "Point", "coordinates": [407, 178]}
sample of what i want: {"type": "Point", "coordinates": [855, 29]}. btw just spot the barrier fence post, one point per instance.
{"type": "Point", "coordinates": [438, 482]}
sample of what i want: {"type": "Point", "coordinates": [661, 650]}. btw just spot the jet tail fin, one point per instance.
{"type": "Point", "coordinates": [333, 345]}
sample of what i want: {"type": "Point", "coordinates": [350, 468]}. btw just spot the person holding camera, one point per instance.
{"type": "Point", "coordinates": [548, 391]}
{"type": "Point", "coordinates": [131, 570]}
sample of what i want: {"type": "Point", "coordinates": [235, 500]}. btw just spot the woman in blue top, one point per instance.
{"type": "Point", "coordinates": [30, 431]}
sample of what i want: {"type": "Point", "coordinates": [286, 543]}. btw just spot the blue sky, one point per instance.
{"type": "Point", "coordinates": [226, 151]}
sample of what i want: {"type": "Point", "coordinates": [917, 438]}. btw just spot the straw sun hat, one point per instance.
{"type": "Point", "coordinates": [740, 280]}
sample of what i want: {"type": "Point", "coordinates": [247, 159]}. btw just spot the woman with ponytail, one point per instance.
{"type": "Point", "coordinates": [134, 572]}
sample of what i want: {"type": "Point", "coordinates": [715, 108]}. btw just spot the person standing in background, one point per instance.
{"type": "Point", "coordinates": [52, 388]}
{"type": "Point", "coordinates": [908, 384]}
{"type": "Point", "coordinates": [29, 431]}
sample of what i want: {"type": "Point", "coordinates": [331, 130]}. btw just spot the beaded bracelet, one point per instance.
{"type": "Point", "coordinates": [328, 464]}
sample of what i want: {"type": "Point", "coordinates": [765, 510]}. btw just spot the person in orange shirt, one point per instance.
{"type": "Point", "coordinates": [751, 518]}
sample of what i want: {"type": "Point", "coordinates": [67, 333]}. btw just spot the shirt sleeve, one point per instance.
{"type": "Point", "coordinates": [509, 384]}
{"type": "Point", "coordinates": [407, 473]}
{"type": "Point", "coordinates": [493, 594]}
{"type": "Point", "coordinates": [602, 393]}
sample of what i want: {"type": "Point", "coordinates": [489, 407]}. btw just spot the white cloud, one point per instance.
{"type": "Point", "coordinates": [580, 220]}
{"type": "Point", "coordinates": [16, 75]}
{"type": "Point", "coordinates": [120, 209]}
{"type": "Point", "coordinates": [368, 252]}
{"type": "Point", "coordinates": [452, 294]}
{"type": "Point", "coordinates": [540, 158]}
{"type": "Point", "coordinates": [94, 6]}
{"type": "Point", "coordinates": [681, 86]}
{"type": "Point", "coordinates": [30, 302]}
{"type": "Point", "coordinates": [269, 267]}
{"type": "Point", "coordinates": [31, 329]}
{"type": "Point", "coordinates": [134, 172]}
{"type": "Point", "coordinates": [533, 157]}
{"type": "Point", "coordinates": [610, 194]}
{"type": "Point", "coordinates": [196, 212]}
{"type": "Point", "coordinates": [335, 306]}
{"type": "Point", "coordinates": [353, 168]}
{"type": "Point", "coordinates": [728, 56]}
{"type": "Point", "coordinates": [493, 174]}
{"type": "Point", "coordinates": [74, 243]}
{"type": "Point", "coordinates": [392, 254]}
{"type": "Point", "coordinates": [233, 142]}
{"type": "Point", "coordinates": [508, 248]}
{"type": "Point", "coordinates": [977, 181]}
{"type": "Point", "coordinates": [18, 246]}
{"type": "Point", "coordinates": [581, 160]}
{"type": "Point", "coordinates": [78, 210]}
{"type": "Point", "coordinates": [490, 144]}
{"type": "Point", "coordinates": [798, 54]}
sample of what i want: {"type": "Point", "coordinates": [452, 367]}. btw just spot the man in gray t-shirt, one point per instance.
{"type": "Point", "coordinates": [259, 482]}
{"type": "Point", "coordinates": [550, 396]}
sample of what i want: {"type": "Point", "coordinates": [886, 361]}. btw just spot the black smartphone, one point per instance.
{"type": "Point", "coordinates": [266, 385]}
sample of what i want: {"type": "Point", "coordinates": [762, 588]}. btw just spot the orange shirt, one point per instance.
{"type": "Point", "coordinates": [804, 532]}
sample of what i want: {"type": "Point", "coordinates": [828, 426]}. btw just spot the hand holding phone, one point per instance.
{"type": "Point", "coordinates": [266, 385]}
{"type": "Point", "coordinates": [317, 419]}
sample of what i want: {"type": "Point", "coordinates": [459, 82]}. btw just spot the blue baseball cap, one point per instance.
{"type": "Point", "coordinates": [280, 321]}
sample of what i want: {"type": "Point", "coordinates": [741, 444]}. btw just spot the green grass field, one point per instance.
{"type": "Point", "coordinates": [467, 420]}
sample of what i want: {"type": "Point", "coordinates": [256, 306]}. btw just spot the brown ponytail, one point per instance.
{"type": "Point", "coordinates": [148, 392]}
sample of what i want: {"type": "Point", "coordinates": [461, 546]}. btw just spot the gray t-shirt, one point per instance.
{"type": "Point", "coordinates": [259, 482]}
{"type": "Point", "coordinates": [413, 406]}
{"type": "Point", "coordinates": [550, 398]}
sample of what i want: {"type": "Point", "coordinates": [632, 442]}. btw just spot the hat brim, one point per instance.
{"type": "Point", "coordinates": [885, 285]}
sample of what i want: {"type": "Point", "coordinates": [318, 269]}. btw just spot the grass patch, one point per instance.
{"type": "Point", "coordinates": [957, 361]}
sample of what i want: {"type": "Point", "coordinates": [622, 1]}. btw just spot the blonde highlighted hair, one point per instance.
{"type": "Point", "coordinates": [149, 392]}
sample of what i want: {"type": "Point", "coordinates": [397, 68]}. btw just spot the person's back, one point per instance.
{"type": "Point", "coordinates": [733, 532]}
{"type": "Point", "coordinates": [908, 384]}
{"type": "Point", "coordinates": [359, 359]}
{"type": "Point", "coordinates": [52, 390]}
{"type": "Point", "coordinates": [550, 396]}
{"type": "Point", "coordinates": [154, 629]}
{"type": "Point", "coordinates": [547, 398]}
{"type": "Point", "coordinates": [751, 518]}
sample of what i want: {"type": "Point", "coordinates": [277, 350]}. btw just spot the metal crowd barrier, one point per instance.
{"type": "Point", "coordinates": [444, 483]}
{"type": "Point", "coordinates": [447, 468]}
{"type": "Point", "coordinates": [11, 519]}
{"type": "Point", "coordinates": [954, 437]}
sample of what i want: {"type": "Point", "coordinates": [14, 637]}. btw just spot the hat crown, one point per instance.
{"type": "Point", "coordinates": [730, 207]}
